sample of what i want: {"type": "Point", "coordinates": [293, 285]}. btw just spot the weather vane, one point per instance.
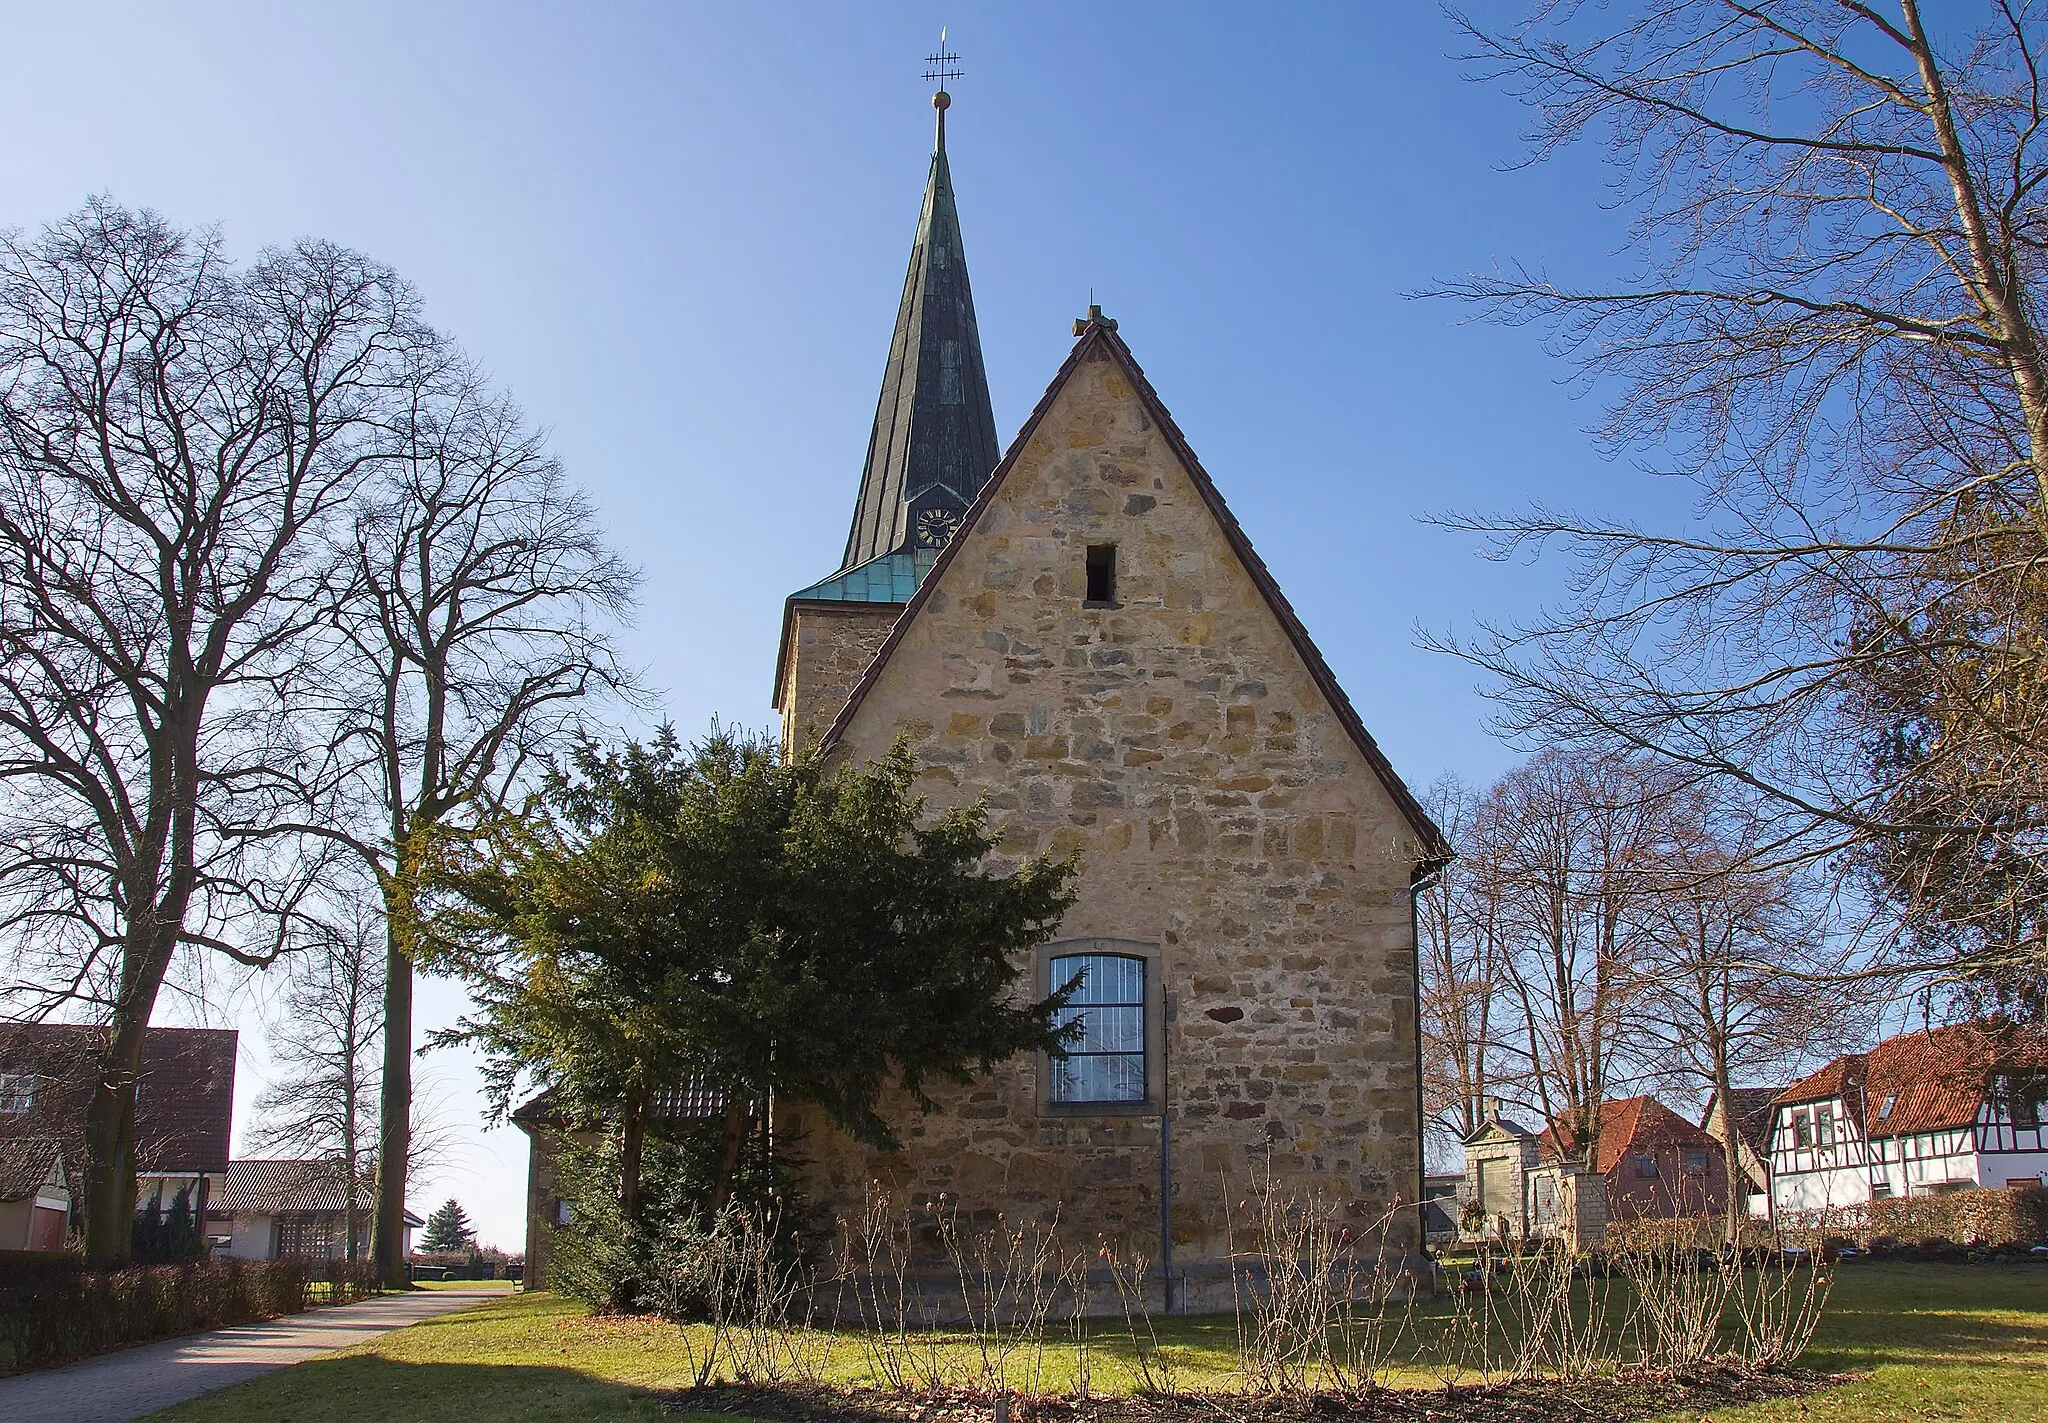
{"type": "Point", "coordinates": [944, 64]}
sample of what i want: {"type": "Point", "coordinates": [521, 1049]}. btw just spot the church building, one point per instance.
{"type": "Point", "coordinates": [1077, 630]}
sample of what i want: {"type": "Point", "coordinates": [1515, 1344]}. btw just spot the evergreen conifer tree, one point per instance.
{"type": "Point", "coordinates": [448, 1228]}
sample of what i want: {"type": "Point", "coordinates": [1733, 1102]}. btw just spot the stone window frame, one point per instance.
{"type": "Point", "coordinates": [1155, 1024]}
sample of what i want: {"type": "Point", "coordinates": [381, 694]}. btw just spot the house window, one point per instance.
{"type": "Point", "coordinates": [1106, 1062]}
{"type": "Point", "coordinates": [2022, 1099]}
{"type": "Point", "coordinates": [1884, 1108]}
{"type": "Point", "coordinates": [1824, 1126]}
{"type": "Point", "coordinates": [1695, 1161]}
{"type": "Point", "coordinates": [1102, 574]}
{"type": "Point", "coordinates": [1646, 1164]}
{"type": "Point", "coordinates": [17, 1093]}
{"type": "Point", "coordinates": [1802, 1130]}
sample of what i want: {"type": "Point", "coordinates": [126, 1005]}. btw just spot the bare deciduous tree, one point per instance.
{"type": "Point", "coordinates": [1572, 835]}
{"type": "Point", "coordinates": [1459, 914]}
{"type": "Point", "coordinates": [478, 625]}
{"type": "Point", "coordinates": [322, 1098]}
{"type": "Point", "coordinates": [1837, 212]}
{"type": "Point", "coordinates": [1730, 969]}
{"type": "Point", "coordinates": [176, 436]}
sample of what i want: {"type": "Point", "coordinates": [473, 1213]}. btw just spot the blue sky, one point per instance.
{"type": "Point", "coordinates": [678, 233]}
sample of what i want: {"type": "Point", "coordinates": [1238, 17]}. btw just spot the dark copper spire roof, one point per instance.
{"type": "Point", "coordinates": [934, 442]}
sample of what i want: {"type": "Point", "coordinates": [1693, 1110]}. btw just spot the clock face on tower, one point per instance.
{"type": "Point", "coordinates": [935, 527]}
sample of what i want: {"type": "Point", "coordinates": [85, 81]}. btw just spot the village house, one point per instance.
{"type": "Point", "coordinates": [1753, 1109]}
{"type": "Point", "coordinates": [1944, 1109]}
{"type": "Point", "coordinates": [270, 1210]}
{"type": "Point", "coordinates": [184, 1111]}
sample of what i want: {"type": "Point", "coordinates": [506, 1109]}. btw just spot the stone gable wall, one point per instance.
{"type": "Point", "coordinates": [830, 646]}
{"type": "Point", "coordinates": [1176, 743]}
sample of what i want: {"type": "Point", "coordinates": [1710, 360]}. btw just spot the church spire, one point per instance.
{"type": "Point", "coordinates": [934, 441]}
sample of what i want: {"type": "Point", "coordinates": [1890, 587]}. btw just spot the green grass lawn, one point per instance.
{"type": "Point", "coordinates": [1926, 1341]}
{"type": "Point", "coordinates": [500, 1286]}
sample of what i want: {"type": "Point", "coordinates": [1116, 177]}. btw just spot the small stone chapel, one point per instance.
{"type": "Point", "coordinates": [1079, 631]}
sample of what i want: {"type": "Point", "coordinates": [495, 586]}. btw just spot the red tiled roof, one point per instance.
{"type": "Point", "coordinates": [26, 1164]}
{"type": "Point", "coordinates": [184, 1100]}
{"type": "Point", "coordinates": [1934, 1079]}
{"type": "Point", "coordinates": [1625, 1125]}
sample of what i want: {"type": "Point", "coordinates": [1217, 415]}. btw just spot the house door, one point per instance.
{"type": "Point", "coordinates": [45, 1228]}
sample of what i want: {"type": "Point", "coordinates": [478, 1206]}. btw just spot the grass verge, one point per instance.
{"type": "Point", "coordinates": [1922, 1341]}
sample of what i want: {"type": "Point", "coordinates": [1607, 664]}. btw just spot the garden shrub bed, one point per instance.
{"type": "Point", "coordinates": [56, 1309]}
{"type": "Point", "coordinates": [1612, 1399]}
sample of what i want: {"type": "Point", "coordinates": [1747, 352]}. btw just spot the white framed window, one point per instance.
{"type": "Point", "coordinates": [1802, 1130]}
{"type": "Point", "coordinates": [17, 1093]}
{"type": "Point", "coordinates": [1106, 1061]}
{"type": "Point", "coordinates": [1113, 1064]}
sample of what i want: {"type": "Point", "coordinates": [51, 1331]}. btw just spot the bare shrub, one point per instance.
{"type": "Point", "coordinates": [1312, 1295]}
{"type": "Point", "coordinates": [1009, 1279]}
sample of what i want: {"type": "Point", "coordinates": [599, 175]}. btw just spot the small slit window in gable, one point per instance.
{"type": "Point", "coordinates": [1102, 573]}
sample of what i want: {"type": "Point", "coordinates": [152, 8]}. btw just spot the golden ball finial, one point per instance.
{"type": "Point", "coordinates": [942, 101]}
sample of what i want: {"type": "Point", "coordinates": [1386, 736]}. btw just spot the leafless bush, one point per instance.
{"type": "Point", "coordinates": [875, 1268]}
{"type": "Point", "coordinates": [1155, 1368]}
{"type": "Point", "coordinates": [1675, 1324]}
{"type": "Point", "coordinates": [1312, 1296]}
{"type": "Point", "coordinates": [1009, 1278]}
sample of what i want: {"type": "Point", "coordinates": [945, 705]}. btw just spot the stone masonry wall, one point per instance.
{"type": "Point", "coordinates": [830, 646]}
{"type": "Point", "coordinates": [1176, 742]}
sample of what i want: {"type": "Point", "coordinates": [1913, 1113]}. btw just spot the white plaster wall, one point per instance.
{"type": "Point", "coordinates": [253, 1236]}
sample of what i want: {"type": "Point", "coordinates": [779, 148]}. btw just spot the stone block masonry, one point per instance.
{"type": "Point", "coordinates": [1224, 818]}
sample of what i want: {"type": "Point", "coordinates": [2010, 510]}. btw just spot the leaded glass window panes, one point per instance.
{"type": "Point", "coordinates": [1106, 1063]}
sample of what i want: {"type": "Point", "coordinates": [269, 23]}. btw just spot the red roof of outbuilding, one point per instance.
{"type": "Point", "coordinates": [1625, 1125]}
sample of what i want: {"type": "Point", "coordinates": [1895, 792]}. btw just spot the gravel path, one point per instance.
{"type": "Point", "coordinates": [113, 1387]}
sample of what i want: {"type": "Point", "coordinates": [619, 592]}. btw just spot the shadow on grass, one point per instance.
{"type": "Point", "coordinates": [358, 1388]}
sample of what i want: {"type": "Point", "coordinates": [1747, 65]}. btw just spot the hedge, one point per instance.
{"type": "Point", "coordinates": [1995, 1215]}
{"type": "Point", "coordinates": [54, 1309]}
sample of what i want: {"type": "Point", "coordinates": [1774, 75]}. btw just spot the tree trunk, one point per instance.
{"type": "Point", "coordinates": [110, 1148]}
{"type": "Point", "coordinates": [732, 1139]}
{"type": "Point", "coordinates": [394, 1114]}
{"type": "Point", "coordinates": [110, 1113]}
{"type": "Point", "coordinates": [1731, 1150]}
{"type": "Point", "coordinates": [632, 1146]}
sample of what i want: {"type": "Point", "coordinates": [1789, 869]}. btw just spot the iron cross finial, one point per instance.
{"type": "Point", "coordinates": [944, 64]}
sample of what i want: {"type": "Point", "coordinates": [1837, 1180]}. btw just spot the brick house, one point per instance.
{"type": "Point", "coordinates": [1649, 1163]}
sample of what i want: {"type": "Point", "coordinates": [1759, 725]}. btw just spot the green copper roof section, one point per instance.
{"type": "Point", "coordinates": [934, 439]}
{"type": "Point", "coordinates": [892, 578]}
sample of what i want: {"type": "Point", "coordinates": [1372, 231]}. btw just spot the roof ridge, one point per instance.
{"type": "Point", "coordinates": [1436, 849]}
